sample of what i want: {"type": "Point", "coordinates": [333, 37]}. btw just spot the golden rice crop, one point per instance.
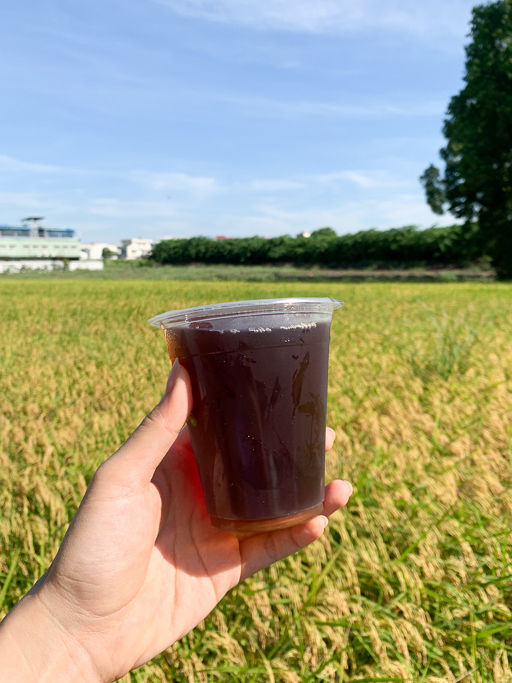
{"type": "Point", "coordinates": [412, 582]}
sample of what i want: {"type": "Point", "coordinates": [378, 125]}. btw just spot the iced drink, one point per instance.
{"type": "Point", "coordinates": [259, 382]}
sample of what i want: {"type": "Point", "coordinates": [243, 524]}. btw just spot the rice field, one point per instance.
{"type": "Point", "coordinates": [411, 582]}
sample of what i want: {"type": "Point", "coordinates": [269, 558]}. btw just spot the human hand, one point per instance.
{"type": "Point", "coordinates": [141, 565]}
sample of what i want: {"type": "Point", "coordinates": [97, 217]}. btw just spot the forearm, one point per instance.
{"type": "Point", "coordinates": [34, 648]}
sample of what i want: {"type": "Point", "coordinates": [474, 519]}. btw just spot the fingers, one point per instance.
{"type": "Point", "coordinates": [258, 552]}
{"type": "Point", "coordinates": [337, 494]}
{"type": "Point", "coordinates": [262, 550]}
{"type": "Point", "coordinates": [135, 462]}
{"type": "Point", "coordinates": [330, 435]}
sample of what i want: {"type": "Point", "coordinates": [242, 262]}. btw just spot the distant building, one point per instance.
{"type": "Point", "coordinates": [135, 248]}
{"type": "Point", "coordinates": [32, 240]}
{"type": "Point", "coordinates": [94, 251]}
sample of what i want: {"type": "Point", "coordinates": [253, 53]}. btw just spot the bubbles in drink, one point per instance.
{"type": "Point", "coordinates": [259, 411]}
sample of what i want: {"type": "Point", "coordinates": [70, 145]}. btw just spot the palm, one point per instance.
{"type": "Point", "coordinates": [152, 565]}
{"type": "Point", "coordinates": [192, 564]}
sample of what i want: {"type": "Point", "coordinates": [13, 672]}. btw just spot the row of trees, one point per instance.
{"type": "Point", "coordinates": [396, 247]}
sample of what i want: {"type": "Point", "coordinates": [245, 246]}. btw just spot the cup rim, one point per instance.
{"type": "Point", "coordinates": [240, 308]}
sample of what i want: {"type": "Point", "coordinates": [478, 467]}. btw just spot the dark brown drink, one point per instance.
{"type": "Point", "coordinates": [258, 422]}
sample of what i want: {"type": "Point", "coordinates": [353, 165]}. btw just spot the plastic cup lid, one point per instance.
{"type": "Point", "coordinates": [237, 308]}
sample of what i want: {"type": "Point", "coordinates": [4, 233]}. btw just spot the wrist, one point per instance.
{"type": "Point", "coordinates": [35, 647]}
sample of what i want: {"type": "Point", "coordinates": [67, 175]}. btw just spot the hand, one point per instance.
{"type": "Point", "coordinates": [141, 565]}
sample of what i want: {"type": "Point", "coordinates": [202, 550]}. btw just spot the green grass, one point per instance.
{"type": "Point", "coordinates": [147, 270]}
{"type": "Point", "coordinates": [412, 582]}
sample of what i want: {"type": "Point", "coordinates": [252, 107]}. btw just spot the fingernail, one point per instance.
{"type": "Point", "coordinates": [351, 487]}
{"type": "Point", "coordinates": [332, 432]}
{"type": "Point", "coordinates": [325, 521]}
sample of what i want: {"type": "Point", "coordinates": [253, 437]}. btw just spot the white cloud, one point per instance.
{"type": "Point", "coordinates": [431, 19]}
{"type": "Point", "coordinates": [401, 209]}
{"type": "Point", "coordinates": [347, 200]}
{"type": "Point", "coordinates": [30, 203]}
{"type": "Point", "coordinates": [110, 207]}
{"type": "Point", "coordinates": [15, 165]}
{"type": "Point", "coordinates": [177, 182]}
{"type": "Point", "coordinates": [269, 185]}
{"type": "Point", "coordinates": [260, 106]}
{"type": "Point", "coordinates": [206, 187]}
{"type": "Point", "coordinates": [406, 209]}
{"type": "Point", "coordinates": [363, 179]}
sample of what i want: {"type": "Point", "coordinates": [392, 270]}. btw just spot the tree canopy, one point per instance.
{"type": "Point", "coordinates": [106, 253]}
{"type": "Point", "coordinates": [328, 233]}
{"type": "Point", "coordinates": [477, 180]}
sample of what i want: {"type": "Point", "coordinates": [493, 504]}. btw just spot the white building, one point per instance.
{"type": "Point", "coordinates": [135, 248]}
{"type": "Point", "coordinates": [32, 240]}
{"type": "Point", "coordinates": [94, 252]}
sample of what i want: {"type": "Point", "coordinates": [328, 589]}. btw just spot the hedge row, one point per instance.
{"type": "Point", "coordinates": [405, 246]}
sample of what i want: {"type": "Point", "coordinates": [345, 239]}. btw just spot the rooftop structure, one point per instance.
{"type": "Point", "coordinates": [31, 240]}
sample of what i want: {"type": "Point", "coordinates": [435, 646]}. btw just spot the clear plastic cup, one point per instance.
{"type": "Point", "coordinates": [259, 380]}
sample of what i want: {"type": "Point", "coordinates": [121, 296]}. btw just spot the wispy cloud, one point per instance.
{"type": "Point", "coordinates": [273, 108]}
{"type": "Point", "coordinates": [434, 18]}
{"type": "Point", "coordinates": [271, 185]}
{"type": "Point", "coordinates": [115, 208]}
{"type": "Point", "coordinates": [27, 203]}
{"type": "Point", "coordinates": [350, 216]}
{"type": "Point", "coordinates": [181, 186]}
{"type": "Point", "coordinates": [167, 202]}
{"type": "Point", "coordinates": [363, 179]}
{"type": "Point", "coordinates": [14, 165]}
{"type": "Point", "coordinates": [207, 187]}
{"type": "Point", "coordinates": [203, 186]}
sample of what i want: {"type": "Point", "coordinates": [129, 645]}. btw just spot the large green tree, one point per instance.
{"type": "Point", "coordinates": [477, 180]}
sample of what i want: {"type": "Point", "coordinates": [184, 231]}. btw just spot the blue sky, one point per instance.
{"type": "Point", "coordinates": [147, 118]}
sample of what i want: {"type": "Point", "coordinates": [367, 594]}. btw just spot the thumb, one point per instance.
{"type": "Point", "coordinates": [135, 462]}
